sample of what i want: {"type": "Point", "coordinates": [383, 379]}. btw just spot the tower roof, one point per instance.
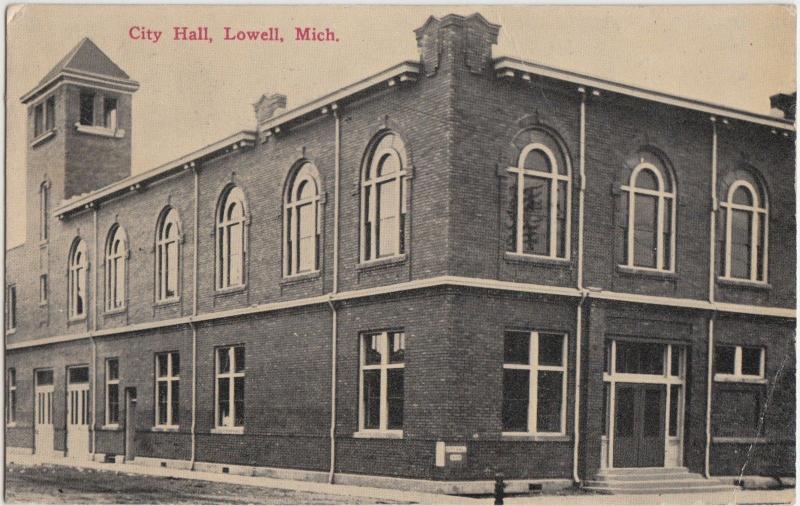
{"type": "Point", "coordinates": [84, 60]}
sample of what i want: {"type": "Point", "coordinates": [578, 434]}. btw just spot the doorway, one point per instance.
{"type": "Point", "coordinates": [78, 412]}
{"type": "Point", "coordinates": [43, 437]}
{"type": "Point", "coordinates": [130, 424]}
{"type": "Point", "coordinates": [639, 425]}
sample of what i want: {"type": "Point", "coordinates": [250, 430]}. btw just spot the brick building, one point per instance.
{"type": "Point", "coordinates": [459, 266]}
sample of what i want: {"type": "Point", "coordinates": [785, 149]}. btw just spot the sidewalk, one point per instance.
{"type": "Point", "coordinates": [785, 496]}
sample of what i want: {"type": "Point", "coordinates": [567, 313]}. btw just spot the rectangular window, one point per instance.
{"type": "Point", "coordinates": [382, 381]}
{"type": "Point", "coordinates": [50, 114]}
{"type": "Point", "coordinates": [11, 307]}
{"type": "Point", "coordinates": [44, 204]}
{"type": "Point", "coordinates": [43, 289]}
{"type": "Point", "coordinates": [168, 371]}
{"type": "Point", "coordinates": [11, 398]}
{"type": "Point", "coordinates": [87, 108]}
{"type": "Point", "coordinates": [112, 391]}
{"type": "Point", "coordinates": [640, 358]}
{"type": "Point", "coordinates": [534, 382]}
{"type": "Point", "coordinates": [738, 363]}
{"type": "Point", "coordinates": [110, 113]}
{"type": "Point", "coordinates": [38, 120]}
{"type": "Point", "coordinates": [230, 387]}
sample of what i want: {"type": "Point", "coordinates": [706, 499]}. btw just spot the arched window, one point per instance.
{"type": "Point", "coordinates": [539, 199]}
{"type": "Point", "coordinates": [650, 216]}
{"type": "Point", "coordinates": [745, 221]}
{"type": "Point", "coordinates": [168, 239]}
{"type": "Point", "coordinates": [231, 239]}
{"type": "Point", "coordinates": [44, 204]}
{"type": "Point", "coordinates": [76, 280]}
{"type": "Point", "coordinates": [383, 199]}
{"type": "Point", "coordinates": [301, 227]}
{"type": "Point", "coordinates": [116, 268]}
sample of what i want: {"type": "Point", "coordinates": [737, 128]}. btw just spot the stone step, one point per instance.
{"type": "Point", "coordinates": [650, 477]}
{"type": "Point", "coordinates": [616, 471]}
{"type": "Point", "coordinates": [689, 483]}
{"type": "Point", "coordinates": [663, 489]}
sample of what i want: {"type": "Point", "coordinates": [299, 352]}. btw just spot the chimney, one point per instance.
{"type": "Point", "coordinates": [785, 104]}
{"type": "Point", "coordinates": [267, 106]}
{"type": "Point", "coordinates": [454, 40]}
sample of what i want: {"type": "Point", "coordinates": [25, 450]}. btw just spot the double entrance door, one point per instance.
{"type": "Point", "coordinates": [639, 427]}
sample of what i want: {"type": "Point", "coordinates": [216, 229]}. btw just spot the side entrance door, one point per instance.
{"type": "Point", "coordinates": [78, 413]}
{"type": "Point", "coordinates": [43, 413]}
{"type": "Point", "coordinates": [639, 425]}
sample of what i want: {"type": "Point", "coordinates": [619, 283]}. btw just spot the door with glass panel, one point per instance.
{"type": "Point", "coordinates": [78, 412]}
{"type": "Point", "coordinates": [43, 412]}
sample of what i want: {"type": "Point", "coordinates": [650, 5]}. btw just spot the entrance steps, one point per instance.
{"type": "Point", "coordinates": [653, 480]}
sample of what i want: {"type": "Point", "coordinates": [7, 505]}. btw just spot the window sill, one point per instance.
{"type": "Point", "coordinates": [100, 131]}
{"type": "Point", "coordinates": [167, 302]}
{"type": "Point", "coordinates": [731, 378]}
{"type": "Point", "coordinates": [115, 311]}
{"type": "Point", "coordinates": [378, 434]}
{"type": "Point", "coordinates": [76, 319]}
{"type": "Point", "coordinates": [165, 428]}
{"type": "Point", "coordinates": [744, 283]}
{"type": "Point", "coordinates": [739, 440]}
{"type": "Point", "coordinates": [382, 262]}
{"type": "Point", "coordinates": [227, 430]}
{"type": "Point", "coordinates": [43, 137]}
{"type": "Point", "coordinates": [230, 290]}
{"type": "Point", "coordinates": [11, 331]}
{"type": "Point", "coordinates": [299, 278]}
{"type": "Point", "coordinates": [43, 243]}
{"type": "Point", "coordinates": [536, 259]}
{"type": "Point", "coordinates": [527, 436]}
{"type": "Point", "coordinates": [11, 425]}
{"type": "Point", "coordinates": [629, 270]}
{"type": "Point", "coordinates": [110, 426]}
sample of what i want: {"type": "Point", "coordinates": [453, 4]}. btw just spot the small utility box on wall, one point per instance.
{"type": "Point", "coordinates": [450, 455]}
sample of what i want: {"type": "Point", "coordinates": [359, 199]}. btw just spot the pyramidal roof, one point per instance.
{"type": "Point", "coordinates": [84, 58]}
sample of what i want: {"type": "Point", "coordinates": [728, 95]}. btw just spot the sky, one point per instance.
{"type": "Point", "coordinates": [193, 94]}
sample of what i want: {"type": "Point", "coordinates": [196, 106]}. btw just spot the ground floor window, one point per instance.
{"type": "Point", "coordinates": [738, 363]}
{"type": "Point", "coordinates": [112, 391]}
{"type": "Point", "coordinates": [534, 382]}
{"type": "Point", "coordinates": [382, 388]}
{"type": "Point", "coordinates": [230, 387]}
{"type": "Point", "coordinates": [168, 380]}
{"type": "Point", "coordinates": [11, 399]}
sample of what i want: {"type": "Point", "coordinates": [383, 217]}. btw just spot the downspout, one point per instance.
{"type": "Point", "coordinates": [334, 315]}
{"type": "Point", "coordinates": [711, 290]}
{"type": "Point", "coordinates": [579, 318]}
{"type": "Point", "coordinates": [91, 337]}
{"type": "Point", "coordinates": [194, 313]}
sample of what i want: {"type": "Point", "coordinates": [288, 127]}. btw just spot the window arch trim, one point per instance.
{"type": "Point", "coordinates": [665, 193]}
{"type": "Point", "coordinates": [168, 255]}
{"type": "Point", "coordinates": [77, 267]}
{"type": "Point", "coordinates": [303, 172]}
{"type": "Point", "coordinates": [116, 269]}
{"type": "Point", "coordinates": [759, 218]}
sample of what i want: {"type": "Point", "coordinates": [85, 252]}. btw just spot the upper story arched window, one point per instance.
{"type": "Point", "coordinates": [116, 268]}
{"type": "Point", "coordinates": [538, 209]}
{"type": "Point", "coordinates": [76, 280]}
{"type": "Point", "coordinates": [231, 240]}
{"type": "Point", "coordinates": [44, 209]}
{"type": "Point", "coordinates": [745, 225]}
{"type": "Point", "coordinates": [168, 255]}
{"type": "Point", "coordinates": [649, 207]}
{"type": "Point", "coordinates": [383, 199]}
{"type": "Point", "coordinates": [301, 226]}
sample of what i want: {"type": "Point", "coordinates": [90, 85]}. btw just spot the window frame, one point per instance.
{"type": "Point", "coordinates": [533, 368]}
{"type": "Point", "coordinates": [11, 307]}
{"type": "Point", "coordinates": [169, 217]}
{"type": "Point", "coordinates": [169, 379]}
{"type": "Point", "coordinates": [11, 399]}
{"type": "Point", "coordinates": [759, 216]}
{"type": "Point", "coordinates": [78, 266]}
{"type": "Point", "coordinates": [383, 429]}
{"type": "Point", "coordinates": [519, 172]}
{"type": "Point", "coordinates": [116, 269]}
{"type": "Point", "coordinates": [370, 183]}
{"type": "Point", "coordinates": [664, 178]}
{"type": "Point", "coordinates": [109, 381]}
{"type": "Point", "coordinates": [222, 247]}
{"type": "Point", "coordinates": [231, 376]}
{"type": "Point", "coordinates": [44, 206]}
{"type": "Point", "coordinates": [306, 173]}
{"type": "Point", "coordinates": [738, 376]}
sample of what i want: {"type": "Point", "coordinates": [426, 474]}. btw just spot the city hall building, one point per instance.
{"type": "Point", "coordinates": [460, 266]}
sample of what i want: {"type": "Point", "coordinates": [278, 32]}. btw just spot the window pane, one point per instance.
{"type": "Point", "coordinates": [606, 399]}
{"type": "Point", "coordinates": [762, 241]}
{"type": "Point", "coordinates": [44, 377]}
{"type": "Point", "coordinates": [644, 231]}
{"type": "Point", "coordinates": [666, 253]}
{"type": "Point", "coordinates": [38, 120]}
{"type": "Point", "coordinates": [538, 160]}
{"type": "Point", "coordinates": [548, 408]}
{"type": "Point", "coordinates": [372, 349]}
{"type": "Point", "coordinates": [50, 113]}
{"type": "Point", "coordinates": [516, 388]}
{"type": "Point", "coordinates": [646, 179]}
{"type": "Point", "coordinates": [751, 361]}
{"type": "Point", "coordinates": [162, 402]}
{"type": "Point", "coordinates": [742, 196]}
{"type": "Point", "coordinates": [724, 357]}
{"type": "Point", "coordinates": [163, 363]}
{"type": "Point", "coordinates": [110, 112]}
{"type": "Point", "coordinates": [224, 405]}
{"type": "Point", "coordinates": [236, 254]}
{"type": "Point", "coordinates": [113, 369]}
{"type": "Point", "coordinates": [395, 398]}
{"type": "Point", "coordinates": [87, 109]}
{"type": "Point", "coordinates": [623, 424]}
{"type": "Point", "coordinates": [238, 398]}
{"type": "Point", "coordinates": [516, 347]}
{"type": "Point", "coordinates": [551, 349]}
{"type": "Point", "coordinates": [652, 413]}
{"type": "Point", "coordinates": [113, 403]}
{"type": "Point", "coordinates": [224, 360]}
{"type": "Point", "coordinates": [307, 238]}
{"type": "Point", "coordinates": [640, 358]}
{"type": "Point", "coordinates": [674, 403]}
{"type": "Point", "coordinates": [176, 364]}
{"type": "Point", "coordinates": [171, 269]}
{"type": "Point", "coordinates": [388, 209]}
{"type": "Point", "coordinates": [367, 224]}
{"type": "Point", "coordinates": [536, 216]}
{"type": "Point", "coordinates": [562, 219]}
{"type": "Point", "coordinates": [79, 375]}
{"type": "Point", "coordinates": [397, 347]}
{"type": "Point", "coordinates": [675, 366]}
{"type": "Point", "coordinates": [239, 358]}
{"type": "Point", "coordinates": [372, 401]}
{"type": "Point", "coordinates": [740, 244]}
{"type": "Point", "coordinates": [510, 214]}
